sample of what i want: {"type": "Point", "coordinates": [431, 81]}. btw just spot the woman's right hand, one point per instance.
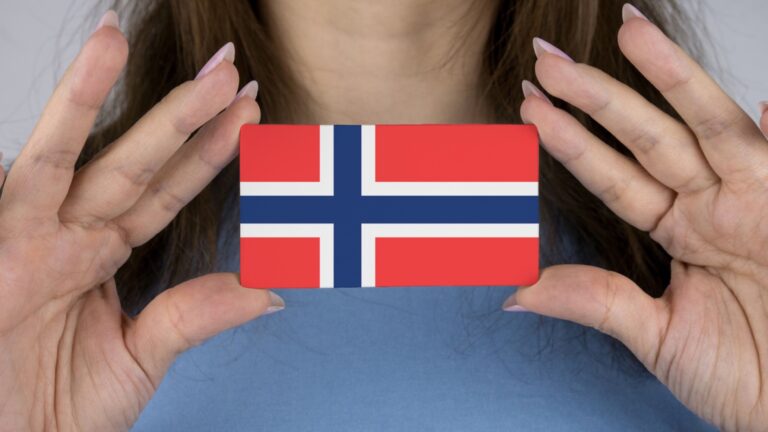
{"type": "Point", "coordinates": [69, 358]}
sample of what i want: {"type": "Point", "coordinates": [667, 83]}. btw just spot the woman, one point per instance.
{"type": "Point", "coordinates": [688, 193]}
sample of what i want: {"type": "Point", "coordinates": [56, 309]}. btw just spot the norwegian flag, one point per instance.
{"type": "Point", "coordinates": [388, 205]}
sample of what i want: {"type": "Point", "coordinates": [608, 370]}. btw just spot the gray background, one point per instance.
{"type": "Point", "coordinates": [39, 37]}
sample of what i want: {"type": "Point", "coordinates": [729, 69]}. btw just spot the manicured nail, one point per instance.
{"type": "Point", "coordinates": [109, 19]}
{"type": "Point", "coordinates": [540, 46]}
{"type": "Point", "coordinates": [276, 303]}
{"type": "Point", "coordinates": [510, 305]}
{"type": "Point", "coordinates": [628, 12]}
{"type": "Point", "coordinates": [530, 89]}
{"type": "Point", "coordinates": [227, 52]}
{"type": "Point", "coordinates": [250, 90]}
{"type": "Point", "coordinates": [763, 107]}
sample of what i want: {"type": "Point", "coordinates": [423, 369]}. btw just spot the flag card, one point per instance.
{"type": "Point", "coordinates": [344, 206]}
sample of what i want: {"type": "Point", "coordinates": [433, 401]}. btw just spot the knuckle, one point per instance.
{"type": "Point", "coordinates": [185, 118]}
{"type": "Point", "coordinates": [177, 112]}
{"type": "Point", "coordinates": [83, 95]}
{"type": "Point", "coordinates": [590, 93]}
{"type": "Point", "coordinates": [615, 191]}
{"type": "Point", "coordinates": [186, 121]}
{"type": "Point", "coordinates": [177, 322]}
{"type": "Point", "coordinates": [58, 159]}
{"type": "Point", "coordinates": [673, 77]}
{"type": "Point", "coordinates": [168, 200]}
{"type": "Point", "coordinates": [642, 139]}
{"type": "Point", "coordinates": [714, 126]}
{"type": "Point", "coordinates": [176, 95]}
{"type": "Point", "coordinates": [592, 102]}
{"type": "Point", "coordinates": [611, 286]}
{"type": "Point", "coordinates": [136, 176]}
{"type": "Point", "coordinates": [214, 158]}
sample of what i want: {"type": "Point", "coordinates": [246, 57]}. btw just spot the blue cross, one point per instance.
{"type": "Point", "coordinates": [347, 209]}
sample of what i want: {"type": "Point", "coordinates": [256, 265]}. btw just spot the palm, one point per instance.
{"type": "Point", "coordinates": [712, 234]}
{"type": "Point", "coordinates": [71, 345]}
{"type": "Point", "coordinates": [701, 190]}
{"type": "Point", "coordinates": [69, 358]}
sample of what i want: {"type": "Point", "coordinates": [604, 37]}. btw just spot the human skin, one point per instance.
{"type": "Point", "coordinates": [70, 360]}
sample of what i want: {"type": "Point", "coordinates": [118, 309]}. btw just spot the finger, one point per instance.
{"type": "Point", "coordinates": [43, 171]}
{"type": "Point", "coordinates": [730, 140]}
{"type": "Point", "coordinates": [663, 146]}
{"type": "Point", "coordinates": [111, 183]}
{"type": "Point", "coordinates": [597, 298]}
{"type": "Point", "coordinates": [185, 316]}
{"type": "Point", "coordinates": [624, 186]}
{"type": "Point", "coordinates": [189, 170]}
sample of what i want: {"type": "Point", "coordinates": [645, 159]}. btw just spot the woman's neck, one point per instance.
{"type": "Point", "coordinates": [394, 61]}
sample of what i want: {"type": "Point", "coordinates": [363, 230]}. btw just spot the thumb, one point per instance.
{"type": "Point", "coordinates": [597, 298]}
{"type": "Point", "coordinates": [188, 314]}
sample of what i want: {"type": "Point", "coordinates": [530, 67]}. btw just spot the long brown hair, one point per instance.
{"type": "Point", "coordinates": [171, 39]}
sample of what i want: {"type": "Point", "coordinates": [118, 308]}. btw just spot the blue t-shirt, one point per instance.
{"type": "Point", "coordinates": [409, 359]}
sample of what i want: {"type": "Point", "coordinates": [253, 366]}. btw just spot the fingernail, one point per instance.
{"type": "Point", "coordinates": [510, 305]}
{"type": "Point", "coordinates": [540, 46]}
{"type": "Point", "coordinates": [250, 90]}
{"type": "Point", "coordinates": [109, 19]}
{"type": "Point", "coordinates": [628, 12]}
{"type": "Point", "coordinates": [276, 303]}
{"type": "Point", "coordinates": [227, 52]}
{"type": "Point", "coordinates": [530, 89]}
{"type": "Point", "coordinates": [763, 107]}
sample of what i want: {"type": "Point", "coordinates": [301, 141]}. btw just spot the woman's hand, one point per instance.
{"type": "Point", "coordinates": [69, 358]}
{"type": "Point", "coordinates": [701, 190]}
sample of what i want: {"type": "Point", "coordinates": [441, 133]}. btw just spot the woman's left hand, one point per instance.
{"type": "Point", "coordinates": [700, 189]}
